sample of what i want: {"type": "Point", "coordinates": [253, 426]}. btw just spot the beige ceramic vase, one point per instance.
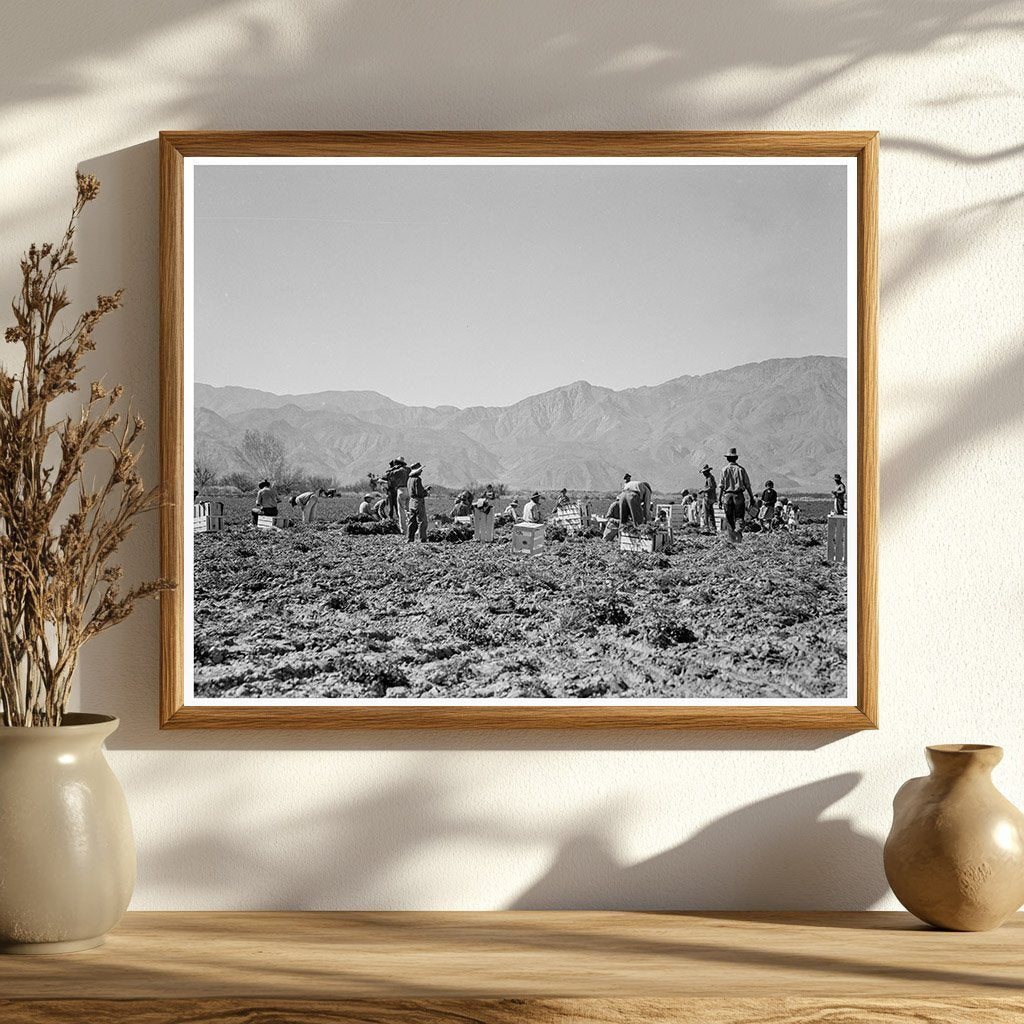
{"type": "Point", "coordinates": [67, 857]}
{"type": "Point", "coordinates": [955, 855]}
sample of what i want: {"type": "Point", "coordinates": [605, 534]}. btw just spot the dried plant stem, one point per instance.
{"type": "Point", "coordinates": [58, 588]}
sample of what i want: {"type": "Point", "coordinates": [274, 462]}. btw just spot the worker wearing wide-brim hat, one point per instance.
{"type": "Point", "coordinates": [532, 512]}
{"type": "Point", "coordinates": [366, 506]}
{"type": "Point", "coordinates": [417, 505]}
{"type": "Point", "coordinates": [733, 491]}
{"type": "Point", "coordinates": [708, 497]}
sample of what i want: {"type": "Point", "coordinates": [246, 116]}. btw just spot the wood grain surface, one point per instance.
{"type": "Point", "coordinates": [175, 147]}
{"type": "Point", "coordinates": [516, 1011]}
{"type": "Point", "coordinates": [526, 954]}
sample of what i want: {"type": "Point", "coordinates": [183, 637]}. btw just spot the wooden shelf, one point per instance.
{"type": "Point", "coordinates": [425, 968]}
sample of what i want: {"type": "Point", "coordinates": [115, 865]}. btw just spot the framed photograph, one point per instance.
{"type": "Point", "coordinates": [519, 430]}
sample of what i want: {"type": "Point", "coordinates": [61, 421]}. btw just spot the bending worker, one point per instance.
{"type": "Point", "coordinates": [635, 502]}
{"type": "Point", "coordinates": [306, 502]}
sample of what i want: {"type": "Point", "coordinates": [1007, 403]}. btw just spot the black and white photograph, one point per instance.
{"type": "Point", "coordinates": [521, 431]}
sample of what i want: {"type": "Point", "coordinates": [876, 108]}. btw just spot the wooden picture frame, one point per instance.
{"type": "Point", "coordinates": [178, 147]}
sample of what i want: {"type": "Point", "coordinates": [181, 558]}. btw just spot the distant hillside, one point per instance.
{"type": "Point", "coordinates": [787, 417]}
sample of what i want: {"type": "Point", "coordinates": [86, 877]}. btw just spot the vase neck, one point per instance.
{"type": "Point", "coordinates": [952, 760]}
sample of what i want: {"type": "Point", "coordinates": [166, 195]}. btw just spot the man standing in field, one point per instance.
{"type": "Point", "coordinates": [732, 492]}
{"type": "Point", "coordinates": [417, 505]}
{"type": "Point", "coordinates": [708, 494]}
{"type": "Point", "coordinates": [839, 496]}
{"type": "Point", "coordinates": [395, 478]}
{"type": "Point", "coordinates": [769, 498]}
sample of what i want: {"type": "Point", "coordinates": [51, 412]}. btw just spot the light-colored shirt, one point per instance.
{"type": "Point", "coordinates": [735, 479]}
{"type": "Point", "coordinates": [513, 511]}
{"type": "Point", "coordinates": [643, 489]}
{"type": "Point", "coordinates": [304, 498]}
{"type": "Point", "coordinates": [531, 514]}
{"type": "Point", "coordinates": [364, 508]}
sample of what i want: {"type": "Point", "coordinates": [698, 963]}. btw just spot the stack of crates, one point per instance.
{"type": "Point", "coordinates": [527, 538]}
{"type": "Point", "coordinates": [207, 516]}
{"type": "Point", "coordinates": [483, 525]}
{"type": "Point", "coordinates": [575, 517]}
{"type": "Point", "coordinates": [836, 538]}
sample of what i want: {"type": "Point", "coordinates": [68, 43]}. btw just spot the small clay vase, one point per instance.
{"type": "Point", "coordinates": [955, 854]}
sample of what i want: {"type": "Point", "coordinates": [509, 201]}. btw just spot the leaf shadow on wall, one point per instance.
{"type": "Point", "coordinates": [777, 853]}
{"type": "Point", "coordinates": [402, 843]}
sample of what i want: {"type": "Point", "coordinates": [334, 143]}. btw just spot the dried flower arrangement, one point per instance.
{"type": "Point", "coordinates": [58, 588]}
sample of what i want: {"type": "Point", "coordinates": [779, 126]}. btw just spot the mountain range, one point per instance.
{"type": "Point", "coordinates": [787, 417]}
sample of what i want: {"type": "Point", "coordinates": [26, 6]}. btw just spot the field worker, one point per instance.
{"type": "Point", "coordinates": [512, 511]}
{"type": "Point", "coordinates": [769, 499]}
{"type": "Point", "coordinates": [417, 505]}
{"type": "Point", "coordinates": [532, 513]}
{"type": "Point", "coordinates": [635, 503]}
{"type": "Point", "coordinates": [839, 496]}
{"type": "Point", "coordinates": [708, 494]}
{"type": "Point", "coordinates": [365, 507]}
{"type": "Point", "coordinates": [611, 526]}
{"type": "Point", "coordinates": [781, 513]}
{"type": "Point", "coordinates": [733, 491]}
{"type": "Point", "coordinates": [793, 518]}
{"type": "Point", "coordinates": [380, 508]}
{"type": "Point", "coordinates": [463, 505]}
{"type": "Point", "coordinates": [397, 471]}
{"type": "Point", "coordinates": [306, 502]}
{"type": "Point", "coordinates": [562, 500]}
{"type": "Point", "coordinates": [489, 492]}
{"type": "Point", "coordinates": [266, 501]}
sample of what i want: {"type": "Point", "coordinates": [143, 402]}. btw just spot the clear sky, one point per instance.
{"type": "Point", "coordinates": [481, 285]}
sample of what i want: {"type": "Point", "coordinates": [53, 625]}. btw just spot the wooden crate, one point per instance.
{"type": "Point", "coordinates": [675, 516]}
{"type": "Point", "coordinates": [483, 525]}
{"type": "Point", "coordinates": [202, 509]}
{"type": "Point", "coordinates": [575, 517]}
{"type": "Point", "coordinates": [527, 538]}
{"type": "Point", "coordinates": [207, 524]}
{"type": "Point", "coordinates": [652, 543]}
{"type": "Point", "coordinates": [273, 522]}
{"type": "Point", "coordinates": [836, 526]}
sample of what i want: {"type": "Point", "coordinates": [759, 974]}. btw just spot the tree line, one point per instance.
{"type": "Point", "coordinates": [261, 456]}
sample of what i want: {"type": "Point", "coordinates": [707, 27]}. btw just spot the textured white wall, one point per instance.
{"type": "Point", "coordinates": [757, 820]}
